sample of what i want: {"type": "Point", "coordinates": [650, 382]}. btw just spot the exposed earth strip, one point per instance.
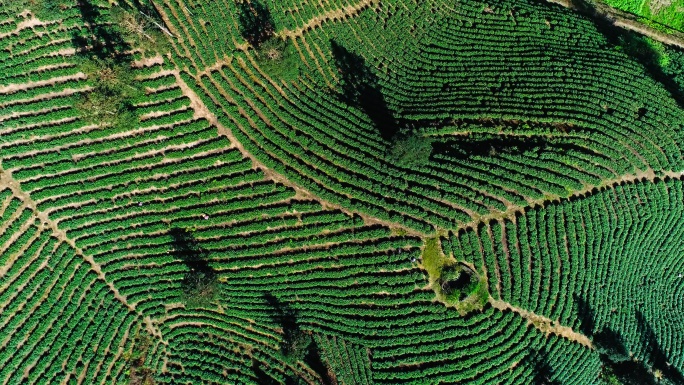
{"type": "Point", "coordinates": [544, 324]}
{"type": "Point", "coordinates": [621, 19]}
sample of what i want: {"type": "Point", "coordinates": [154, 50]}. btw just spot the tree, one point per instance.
{"type": "Point", "coordinates": [279, 59]}
{"type": "Point", "coordinates": [410, 149]}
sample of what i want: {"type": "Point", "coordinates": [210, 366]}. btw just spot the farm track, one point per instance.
{"type": "Point", "coordinates": [544, 324]}
{"type": "Point", "coordinates": [336, 14]}
{"type": "Point", "coordinates": [624, 20]}
{"type": "Point", "coordinates": [202, 111]}
{"type": "Point", "coordinates": [7, 181]}
{"type": "Point", "coordinates": [649, 175]}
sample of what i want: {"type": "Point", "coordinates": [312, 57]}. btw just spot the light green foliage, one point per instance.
{"type": "Point", "coordinates": [279, 59]}
{"type": "Point", "coordinates": [668, 13]}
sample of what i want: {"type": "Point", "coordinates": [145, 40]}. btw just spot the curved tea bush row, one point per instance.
{"type": "Point", "coordinates": [97, 247]}
{"type": "Point", "coordinates": [614, 252]}
{"type": "Point", "coordinates": [591, 122]}
{"type": "Point", "coordinates": [55, 306]}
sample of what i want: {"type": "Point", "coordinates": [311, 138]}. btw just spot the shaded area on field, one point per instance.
{"type": "Point", "coordinates": [361, 88]}
{"type": "Point", "coordinates": [635, 46]}
{"type": "Point", "coordinates": [617, 362]}
{"type": "Point", "coordinates": [655, 353]}
{"type": "Point", "coordinates": [200, 283]}
{"type": "Point", "coordinates": [541, 369]}
{"type": "Point", "coordinates": [100, 39]}
{"type": "Point", "coordinates": [463, 147]}
{"type": "Point", "coordinates": [255, 21]}
{"type": "Point", "coordinates": [262, 378]}
{"type": "Point", "coordinates": [297, 345]}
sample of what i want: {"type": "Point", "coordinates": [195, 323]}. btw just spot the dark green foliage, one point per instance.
{"type": "Point", "coordinates": [115, 192]}
{"type": "Point", "coordinates": [542, 372]}
{"type": "Point", "coordinates": [361, 88]}
{"type": "Point", "coordinates": [100, 38]}
{"type": "Point", "coordinates": [114, 88]}
{"type": "Point", "coordinates": [641, 48]}
{"type": "Point", "coordinates": [619, 367]}
{"type": "Point", "coordinates": [610, 346]}
{"type": "Point", "coordinates": [410, 149]}
{"type": "Point", "coordinates": [673, 65]}
{"type": "Point", "coordinates": [457, 282]}
{"type": "Point", "coordinates": [297, 345]}
{"type": "Point", "coordinates": [655, 355]}
{"type": "Point", "coordinates": [256, 22]}
{"type": "Point", "coordinates": [296, 342]}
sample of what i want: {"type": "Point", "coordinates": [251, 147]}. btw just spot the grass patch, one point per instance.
{"type": "Point", "coordinates": [433, 258]}
{"type": "Point", "coordinates": [455, 283]}
{"type": "Point", "coordinates": [279, 59]}
{"type": "Point", "coordinates": [137, 372]}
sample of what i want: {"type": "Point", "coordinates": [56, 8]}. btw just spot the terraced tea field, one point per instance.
{"type": "Point", "coordinates": [337, 192]}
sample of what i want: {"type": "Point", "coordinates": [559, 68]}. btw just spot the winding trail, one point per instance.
{"type": "Point", "coordinates": [649, 175]}
{"type": "Point", "coordinates": [621, 19]}
{"type": "Point", "coordinates": [202, 111]}
{"type": "Point", "coordinates": [544, 324]}
{"type": "Point", "coordinates": [6, 180]}
{"type": "Point", "coordinates": [334, 14]}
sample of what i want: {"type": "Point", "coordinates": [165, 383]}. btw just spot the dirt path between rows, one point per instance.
{"type": "Point", "coordinates": [624, 20]}
{"type": "Point", "coordinates": [649, 175]}
{"type": "Point", "coordinates": [202, 111]}
{"type": "Point", "coordinates": [544, 324]}
{"type": "Point", "coordinates": [334, 14]}
{"type": "Point", "coordinates": [7, 181]}
{"type": "Point", "coordinates": [16, 87]}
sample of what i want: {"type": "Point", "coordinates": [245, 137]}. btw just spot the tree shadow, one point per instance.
{"type": "Point", "coordinates": [314, 361]}
{"type": "Point", "coordinates": [361, 88]}
{"type": "Point", "coordinates": [262, 378]}
{"type": "Point", "coordinates": [463, 147]}
{"type": "Point", "coordinates": [616, 361]}
{"type": "Point", "coordinates": [541, 369]}
{"type": "Point", "coordinates": [297, 345]}
{"type": "Point", "coordinates": [635, 46]}
{"type": "Point", "coordinates": [294, 340]}
{"type": "Point", "coordinates": [256, 22]}
{"type": "Point", "coordinates": [101, 39]}
{"type": "Point", "coordinates": [200, 283]}
{"type": "Point", "coordinates": [655, 354]}
{"type": "Point", "coordinates": [586, 316]}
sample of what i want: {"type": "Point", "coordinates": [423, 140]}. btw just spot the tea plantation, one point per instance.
{"type": "Point", "coordinates": [337, 192]}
